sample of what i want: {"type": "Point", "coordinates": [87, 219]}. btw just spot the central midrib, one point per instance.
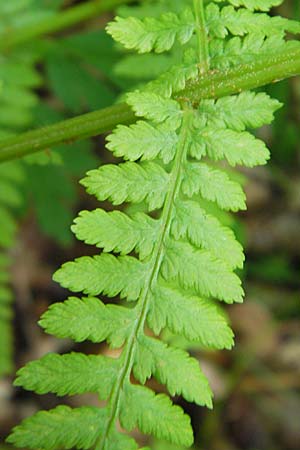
{"type": "Point", "coordinates": [155, 264]}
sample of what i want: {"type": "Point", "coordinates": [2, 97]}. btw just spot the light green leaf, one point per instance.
{"type": "Point", "coordinates": [248, 109]}
{"type": "Point", "coordinates": [88, 318]}
{"type": "Point", "coordinates": [174, 80]}
{"type": "Point", "coordinates": [154, 414]}
{"type": "Point", "coordinates": [116, 231]}
{"type": "Point", "coordinates": [242, 21]}
{"type": "Point", "coordinates": [174, 368]}
{"type": "Point", "coordinates": [129, 182]}
{"type": "Point", "coordinates": [237, 147]}
{"type": "Point", "coordinates": [213, 185]}
{"type": "Point", "coordinates": [106, 274]}
{"type": "Point", "coordinates": [120, 441]}
{"type": "Point", "coordinates": [156, 108]}
{"type": "Point", "coordinates": [195, 318]}
{"type": "Point", "coordinates": [70, 374]}
{"type": "Point", "coordinates": [201, 271]}
{"type": "Point", "coordinates": [262, 5]}
{"type": "Point", "coordinates": [153, 34]}
{"type": "Point", "coordinates": [205, 231]}
{"type": "Point", "coordinates": [144, 141]}
{"type": "Point", "coordinates": [236, 50]}
{"type": "Point", "coordinates": [59, 428]}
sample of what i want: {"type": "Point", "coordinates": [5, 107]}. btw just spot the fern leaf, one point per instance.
{"type": "Point", "coordinates": [261, 5]}
{"type": "Point", "coordinates": [88, 318]}
{"type": "Point", "coordinates": [238, 112]}
{"type": "Point", "coordinates": [174, 80]}
{"type": "Point", "coordinates": [118, 183]}
{"type": "Point", "coordinates": [236, 50]}
{"type": "Point", "coordinates": [104, 274]}
{"type": "Point", "coordinates": [200, 322]}
{"type": "Point", "coordinates": [154, 414]}
{"type": "Point", "coordinates": [156, 108]}
{"type": "Point", "coordinates": [70, 374]}
{"type": "Point", "coordinates": [174, 368]}
{"type": "Point", "coordinates": [120, 441]}
{"type": "Point", "coordinates": [59, 428]}
{"type": "Point", "coordinates": [213, 185]}
{"type": "Point", "coordinates": [239, 22]}
{"type": "Point", "coordinates": [151, 33]}
{"type": "Point", "coordinates": [144, 141]}
{"type": "Point", "coordinates": [201, 271]}
{"type": "Point", "coordinates": [116, 231]}
{"type": "Point", "coordinates": [205, 231]}
{"type": "Point", "coordinates": [237, 147]}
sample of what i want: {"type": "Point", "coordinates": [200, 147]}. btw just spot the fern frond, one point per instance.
{"type": "Point", "coordinates": [165, 253]}
{"type": "Point", "coordinates": [153, 34]}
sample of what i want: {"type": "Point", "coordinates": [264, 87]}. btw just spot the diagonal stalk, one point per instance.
{"type": "Point", "coordinates": [155, 262]}
{"type": "Point", "coordinates": [66, 131]}
{"type": "Point", "coordinates": [214, 84]}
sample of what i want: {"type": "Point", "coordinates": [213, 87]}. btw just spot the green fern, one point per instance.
{"type": "Point", "coordinates": [18, 78]}
{"type": "Point", "coordinates": [10, 176]}
{"type": "Point", "coordinates": [167, 255]}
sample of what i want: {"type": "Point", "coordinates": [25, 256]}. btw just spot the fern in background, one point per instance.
{"type": "Point", "coordinates": [167, 256]}
{"type": "Point", "coordinates": [19, 106]}
{"type": "Point", "coordinates": [18, 78]}
{"type": "Point", "coordinates": [11, 176]}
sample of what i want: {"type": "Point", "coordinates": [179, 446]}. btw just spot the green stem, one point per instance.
{"type": "Point", "coordinates": [214, 84]}
{"type": "Point", "coordinates": [263, 70]}
{"type": "Point", "coordinates": [155, 263]}
{"type": "Point", "coordinates": [60, 21]}
{"type": "Point", "coordinates": [203, 51]}
{"type": "Point", "coordinates": [65, 132]}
